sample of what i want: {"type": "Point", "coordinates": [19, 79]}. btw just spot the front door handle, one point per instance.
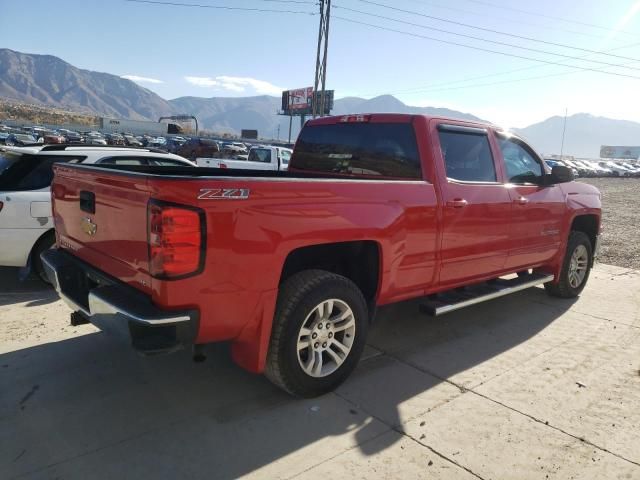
{"type": "Point", "coordinates": [457, 203]}
{"type": "Point", "coordinates": [521, 200]}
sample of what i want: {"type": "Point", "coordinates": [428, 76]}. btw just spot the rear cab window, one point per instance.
{"type": "Point", "coordinates": [262, 155]}
{"type": "Point", "coordinates": [22, 172]}
{"type": "Point", "coordinates": [466, 152]}
{"type": "Point", "coordinates": [387, 150]}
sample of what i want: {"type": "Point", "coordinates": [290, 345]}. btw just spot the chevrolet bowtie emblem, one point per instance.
{"type": "Point", "coordinates": [88, 226]}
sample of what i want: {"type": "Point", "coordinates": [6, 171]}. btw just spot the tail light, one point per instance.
{"type": "Point", "coordinates": [177, 238]}
{"type": "Point", "coordinates": [1, 206]}
{"type": "Point", "coordinates": [223, 165]}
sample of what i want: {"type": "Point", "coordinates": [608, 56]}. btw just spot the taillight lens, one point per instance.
{"type": "Point", "coordinates": [176, 240]}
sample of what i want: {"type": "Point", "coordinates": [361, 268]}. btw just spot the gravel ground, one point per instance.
{"type": "Point", "coordinates": [621, 212]}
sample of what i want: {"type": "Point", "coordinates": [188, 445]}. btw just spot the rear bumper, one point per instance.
{"type": "Point", "coordinates": [118, 308]}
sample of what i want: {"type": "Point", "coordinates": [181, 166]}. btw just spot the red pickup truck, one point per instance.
{"type": "Point", "coordinates": [290, 266]}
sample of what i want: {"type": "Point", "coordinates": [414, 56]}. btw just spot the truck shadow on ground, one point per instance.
{"type": "Point", "coordinates": [31, 290]}
{"type": "Point", "coordinates": [88, 407]}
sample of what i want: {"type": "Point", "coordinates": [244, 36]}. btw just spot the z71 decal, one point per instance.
{"type": "Point", "coordinates": [224, 194]}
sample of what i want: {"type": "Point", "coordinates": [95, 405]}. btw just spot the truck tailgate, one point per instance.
{"type": "Point", "coordinates": [101, 217]}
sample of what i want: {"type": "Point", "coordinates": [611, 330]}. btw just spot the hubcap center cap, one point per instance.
{"type": "Point", "coordinates": [322, 335]}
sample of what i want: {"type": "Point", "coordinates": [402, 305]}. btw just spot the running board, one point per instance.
{"type": "Point", "coordinates": [449, 301]}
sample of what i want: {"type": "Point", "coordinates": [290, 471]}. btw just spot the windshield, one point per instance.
{"type": "Point", "coordinates": [25, 138]}
{"type": "Point", "coordinates": [371, 149]}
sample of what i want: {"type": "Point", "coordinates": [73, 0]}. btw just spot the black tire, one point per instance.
{"type": "Point", "coordinates": [563, 288]}
{"type": "Point", "coordinates": [297, 299]}
{"type": "Point", "coordinates": [44, 243]}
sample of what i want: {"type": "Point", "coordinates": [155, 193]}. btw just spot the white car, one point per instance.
{"type": "Point", "coordinates": [26, 225]}
{"type": "Point", "coordinates": [618, 170]}
{"type": "Point", "coordinates": [259, 158]}
{"type": "Point", "coordinates": [95, 138]}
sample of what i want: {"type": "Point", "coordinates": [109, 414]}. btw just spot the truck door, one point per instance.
{"type": "Point", "coordinates": [538, 210]}
{"type": "Point", "coordinates": [476, 204]}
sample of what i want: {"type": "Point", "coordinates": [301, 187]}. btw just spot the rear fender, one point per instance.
{"type": "Point", "coordinates": [249, 350]}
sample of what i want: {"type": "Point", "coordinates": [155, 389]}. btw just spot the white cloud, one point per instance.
{"type": "Point", "coordinates": [202, 81]}
{"type": "Point", "coordinates": [236, 84]}
{"type": "Point", "coordinates": [137, 78]}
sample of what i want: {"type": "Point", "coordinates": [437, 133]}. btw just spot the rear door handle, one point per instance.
{"type": "Point", "coordinates": [457, 203]}
{"type": "Point", "coordinates": [521, 200]}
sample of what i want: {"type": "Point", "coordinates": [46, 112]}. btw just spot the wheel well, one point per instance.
{"type": "Point", "coordinates": [41, 239]}
{"type": "Point", "coordinates": [358, 261]}
{"type": "Point", "coordinates": [587, 224]}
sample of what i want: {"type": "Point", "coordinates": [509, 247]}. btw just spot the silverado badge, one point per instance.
{"type": "Point", "coordinates": [88, 226]}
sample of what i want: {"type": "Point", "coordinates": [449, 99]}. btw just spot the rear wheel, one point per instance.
{"type": "Point", "coordinates": [318, 335]}
{"type": "Point", "coordinates": [575, 269]}
{"type": "Point", "coordinates": [45, 242]}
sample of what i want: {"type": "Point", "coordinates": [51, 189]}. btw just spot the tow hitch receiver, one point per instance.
{"type": "Point", "coordinates": [78, 318]}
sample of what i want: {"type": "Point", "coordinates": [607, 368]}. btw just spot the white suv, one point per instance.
{"type": "Point", "coordinates": [26, 226]}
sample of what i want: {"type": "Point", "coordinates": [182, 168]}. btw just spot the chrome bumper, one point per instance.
{"type": "Point", "coordinates": [117, 307]}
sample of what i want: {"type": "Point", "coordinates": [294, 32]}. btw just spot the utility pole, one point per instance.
{"type": "Point", "coordinates": [564, 128]}
{"type": "Point", "coordinates": [321, 58]}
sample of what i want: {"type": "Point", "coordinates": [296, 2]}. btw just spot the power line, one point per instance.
{"type": "Point", "coordinates": [491, 84]}
{"type": "Point", "coordinates": [539, 60]}
{"type": "Point", "coordinates": [302, 2]}
{"type": "Point", "coordinates": [432, 4]}
{"type": "Point", "coordinates": [475, 27]}
{"type": "Point", "coordinates": [482, 39]}
{"type": "Point", "coordinates": [220, 7]}
{"type": "Point", "coordinates": [447, 85]}
{"type": "Point", "coordinates": [543, 15]}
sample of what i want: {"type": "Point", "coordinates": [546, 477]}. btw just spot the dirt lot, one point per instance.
{"type": "Point", "coordinates": [621, 210]}
{"type": "Point", "coordinates": [526, 387]}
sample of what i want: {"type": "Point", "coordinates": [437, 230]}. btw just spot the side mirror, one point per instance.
{"type": "Point", "coordinates": [560, 174]}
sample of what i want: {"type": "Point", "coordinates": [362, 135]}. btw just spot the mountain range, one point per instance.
{"type": "Point", "coordinates": [49, 80]}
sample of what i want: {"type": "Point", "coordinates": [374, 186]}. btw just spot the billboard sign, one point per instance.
{"type": "Point", "coordinates": [627, 153]}
{"type": "Point", "coordinates": [300, 101]}
{"type": "Point", "coordinates": [249, 134]}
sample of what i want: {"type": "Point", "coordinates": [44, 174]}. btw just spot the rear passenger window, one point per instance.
{"type": "Point", "coordinates": [123, 161]}
{"type": "Point", "coordinates": [32, 172]}
{"type": "Point", "coordinates": [467, 155]}
{"type": "Point", "coordinates": [166, 162]}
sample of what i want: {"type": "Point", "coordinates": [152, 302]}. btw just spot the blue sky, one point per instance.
{"type": "Point", "coordinates": [177, 51]}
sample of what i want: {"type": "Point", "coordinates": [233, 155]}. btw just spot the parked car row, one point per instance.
{"type": "Point", "coordinates": [26, 226]}
{"type": "Point", "coordinates": [189, 147]}
{"type": "Point", "coordinates": [599, 168]}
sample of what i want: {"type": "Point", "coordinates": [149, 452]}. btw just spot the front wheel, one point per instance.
{"type": "Point", "coordinates": [575, 268]}
{"type": "Point", "coordinates": [319, 333]}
